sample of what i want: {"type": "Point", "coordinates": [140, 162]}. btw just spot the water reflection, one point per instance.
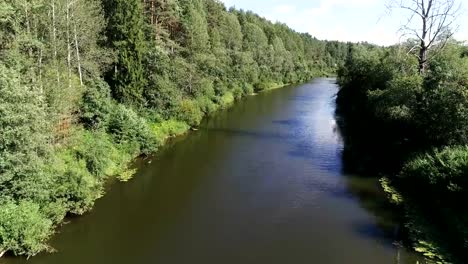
{"type": "Point", "coordinates": [262, 182]}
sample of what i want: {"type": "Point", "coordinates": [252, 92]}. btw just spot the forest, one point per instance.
{"type": "Point", "coordinates": [409, 116]}
{"type": "Point", "coordinates": [88, 85]}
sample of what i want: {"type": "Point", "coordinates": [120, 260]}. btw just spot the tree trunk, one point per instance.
{"type": "Point", "coordinates": [68, 45]}
{"type": "Point", "coordinates": [78, 54]}
{"type": "Point", "coordinates": [422, 58]}
{"type": "Point", "coordinates": [54, 38]}
{"type": "Point", "coordinates": [40, 70]}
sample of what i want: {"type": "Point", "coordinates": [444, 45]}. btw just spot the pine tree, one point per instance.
{"type": "Point", "coordinates": [125, 33]}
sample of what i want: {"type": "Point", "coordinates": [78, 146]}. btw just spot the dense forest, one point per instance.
{"type": "Point", "coordinates": [88, 85]}
{"type": "Point", "coordinates": [410, 121]}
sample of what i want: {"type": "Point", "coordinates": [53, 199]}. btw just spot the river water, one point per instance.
{"type": "Point", "coordinates": [261, 182]}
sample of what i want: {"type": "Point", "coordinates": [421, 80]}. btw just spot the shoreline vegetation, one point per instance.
{"type": "Point", "coordinates": [411, 126]}
{"type": "Point", "coordinates": [88, 85]}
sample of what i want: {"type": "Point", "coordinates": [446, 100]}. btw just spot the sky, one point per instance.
{"type": "Point", "coordinates": [344, 20]}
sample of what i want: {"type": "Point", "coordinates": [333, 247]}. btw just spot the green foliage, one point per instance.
{"type": "Point", "coordinates": [383, 95]}
{"type": "Point", "coordinates": [382, 85]}
{"type": "Point", "coordinates": [441, 178]}
{"type": "Point", "coordinates": [23, 229]}
{"type": "Point", "coordinates": [443, 114]}
{"type": "Point", "coordinates": [96, 105]}
{"type": "Point", "coordinates": [167, 129]}
{"type": "Point", "coordinates": [189, 112]}
{"type": "Point", "coordinates": [24, 134]}
{"type": "Point", "coordinates": [226, 100]}
{"type": "Point", "coordinates": [74, 185]}
{"type": "Point", "coordinates": [207, 106]}
{"type": "Point", "coordinates": [85, 86]}
{"type": "Point", "coordinates": [443, 170]}
{"type": "Point", "coordinates": [125, 32]}
{"type": "Point", "coordinates": [128, 128]}
{"type": "Point", "coordinates": [265, 85]}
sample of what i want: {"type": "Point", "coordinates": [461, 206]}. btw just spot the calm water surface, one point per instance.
{"type": "Point", "coordinates": [259, 183]}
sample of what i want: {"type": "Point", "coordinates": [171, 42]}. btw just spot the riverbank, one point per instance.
{"type": "Point", "coordinates": [74, 113]}
{"type": "Point", "coordinates": [90, 158]}
{"type": "Point", "coordinates": [251, 178]}
{"type": "Point", "coordinates": [411, 127]}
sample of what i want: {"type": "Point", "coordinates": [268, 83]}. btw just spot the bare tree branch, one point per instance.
{"type": "Point", "coordinates": [431, 22]}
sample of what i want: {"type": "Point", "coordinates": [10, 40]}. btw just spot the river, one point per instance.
{"type": "Point", "coordinates": [261, 182]}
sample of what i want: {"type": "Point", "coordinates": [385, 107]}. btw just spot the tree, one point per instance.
{"type": "Point", "coordinates": [433, 28]}
{"type": "Point", "coordinates": [125, 32]}
{"type": "Point", "coordinates": [24, 130]}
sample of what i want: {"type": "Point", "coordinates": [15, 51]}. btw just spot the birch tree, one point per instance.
{"type": "Point", "coordinates": [431, 22]}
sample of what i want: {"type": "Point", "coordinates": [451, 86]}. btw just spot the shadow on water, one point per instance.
{"type": "Point", "coordinates": [262, 182]}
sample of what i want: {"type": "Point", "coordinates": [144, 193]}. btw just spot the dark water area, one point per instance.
{"type": "Point", "coordinates": [261, 182]}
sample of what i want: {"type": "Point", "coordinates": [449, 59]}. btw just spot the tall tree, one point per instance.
{"type": "Point", "coordinates": [125, 33]}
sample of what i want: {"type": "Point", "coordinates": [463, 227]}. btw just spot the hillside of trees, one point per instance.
{"type": "Point", "coordinates": [88, 85]}
{"type": "Point", "coordinates": [412, 127]}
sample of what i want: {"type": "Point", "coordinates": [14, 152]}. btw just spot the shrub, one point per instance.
{"type": "Point", "coordinates": [437, 218]}
{"type": "Point", "coordinates": [207, 105]}
{"type": "Point", "coordinates": [443, 170]}
{"type": "Point", "coordinates": [164, 96]}
{"type": "Point", "coordinates": [96, 149]}
{"type": "Point", "coordinates": [189, 112]}
{"type": "Point", "coordinates": [167, 129]}
{"type": "Point", "coordinates": [226, 100]}
{"type": "Point", "coordinates": [398, 101]}
{"type": "Point", "coordinates": [23, 229]}
{"type": "Point", "coordinates": [443, 114]}
{"type": "Point", "coordinates": [74, 184]}
{"type": "Point", "coordinates": [96, 105]}
{"type": "Point", "coordinates": [128, 128]}
{"type": "Point", "coordinates": [237, 92]}
{"type": "Point", "coordinates": [248, 88]}
{"type": "Point", "coordinates": [264, 85]}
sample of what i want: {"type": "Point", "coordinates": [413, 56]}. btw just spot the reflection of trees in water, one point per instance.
{"type": "Point", "coordinates": [388, 218]}
{"type": "Point", "coordinates": [369, 151]}
{"type": "Point", "coordinates": [365, 156]}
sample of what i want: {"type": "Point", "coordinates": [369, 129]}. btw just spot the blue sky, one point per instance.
{"type": "Point", "coordinates": [345, 20]}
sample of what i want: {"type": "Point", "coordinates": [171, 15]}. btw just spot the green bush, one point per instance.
{"type": "Point", "coordinates": [237, 92]}
{"type": "Point", "coordinates": [189, 112]}
{"type": "Point", "coordinates": [74, 184]}
{"type": "Point", "coordinates": [96, 105]}
{"type": "Point", "coordinates": [443, 114]}
{"type": "Point", "coordinates": [226, 100]}
{"type": "Point", "coordinates": [128, 128]}
{"type": "Point", "coordinates": [207, 105]}
{"type": "Point", "coordinates": [265, 85]}
{"type": "Point", "coordinates": [23, 228]}
{"type": "Point", "coordinates": [248, 88]}
{"type": "Point", "coordinates": [440, 177]}
{"type": "Point", "coordinates": [445, 170]}
{"type": "Point", "coordinates": [24, 130]}
{"type": "Point", "coordinates": [166, 129]}
{"type": "Point", "coordinates": [164, 96]}
{"type": "Point", "coordinates": [398, 101]}
{"type": "Point", "coordinates": [261, 86]}
{"type": "Point", "coordinates": [99, 153]}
